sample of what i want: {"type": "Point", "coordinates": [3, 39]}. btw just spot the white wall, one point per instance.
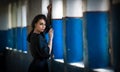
{"type": "Point", "coordinates": [74, 8]}
{"type": "Point", "coordinates": [57, 9]}
{"type": "Point", "coordinates": [97, 5]}
{"type": "Point", "coordinates": [34, 8]}
{"type": "Point", "coordinates": [3, 17]}
{"type": "Point", "coordinates": [45, 3]}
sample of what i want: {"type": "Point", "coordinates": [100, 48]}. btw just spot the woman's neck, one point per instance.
{"type": "Point", "coordinates": [37, 32]}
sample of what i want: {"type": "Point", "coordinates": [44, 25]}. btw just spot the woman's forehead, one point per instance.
{"type": "Point", "coordinates": [42, 21]}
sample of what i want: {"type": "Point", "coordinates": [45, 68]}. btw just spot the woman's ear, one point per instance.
{"type": "Point", "coordinates": [35, 25]}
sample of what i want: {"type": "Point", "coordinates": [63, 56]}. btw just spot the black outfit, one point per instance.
{"type": "Point", "coordinates": [40, 52]}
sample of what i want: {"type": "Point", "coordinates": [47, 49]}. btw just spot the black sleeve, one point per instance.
{"type": "Point", "coordinates": [49, 20]}
{"type": "Point", "coordinates": [43, 47]}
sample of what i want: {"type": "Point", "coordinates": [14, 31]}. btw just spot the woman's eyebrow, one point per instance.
{"type": "Point", "coordinates": [42, 23]}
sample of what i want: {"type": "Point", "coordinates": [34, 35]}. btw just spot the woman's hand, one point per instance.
{"type": "Point", "coordinates": [49, 8]}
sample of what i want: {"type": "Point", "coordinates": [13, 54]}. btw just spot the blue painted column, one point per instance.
{"type": "Point", "coordinates": [9, 39]}
{"type": "Point", "coordinates": [24, 27]}
{"type": "Point", "coordinates": [9, 32]}
{"type": "Point", "coordinates": [74, 31]}
{"type": "Point", "coordinates": [3, 40]}
{"type": "Point", "coordinates": [14, 25]}
{"type": "Point", "coordinates": [74, 39]}
{"type": "Point", "coordinates": [58, 38]}
{"type": "Point", "coordinates": [19, 28]}
{"type": "Point", "coordinates": [97, 33]}
{"type": "Point", "coordinates": [57, 23]}
{"type": "Point", "coordinates": [3, 32]}
{"type": "Point", "coordinates": [116, 34]}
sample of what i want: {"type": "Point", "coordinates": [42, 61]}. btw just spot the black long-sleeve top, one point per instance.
{"type": "Point", "coordinates": [39, 46]}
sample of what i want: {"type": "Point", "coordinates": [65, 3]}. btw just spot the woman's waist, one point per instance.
{"type": "Point", "coordinates": [40, 58]}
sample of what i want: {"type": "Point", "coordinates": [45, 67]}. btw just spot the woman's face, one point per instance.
{"type": "Point", "coordinates": [40, 25]}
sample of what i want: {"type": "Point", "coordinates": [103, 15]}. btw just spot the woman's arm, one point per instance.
{"type": "Point", "coordinates": [49, 8]}
{"type": "Point", "coordinates": [50, 40]}
{"type": "Point", "coordinates": [49, 23]}
{"type": "Point", "coordinates": [51, 30]}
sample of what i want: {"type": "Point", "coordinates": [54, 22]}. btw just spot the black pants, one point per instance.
{"type": "Point", "coordinates": [38, 65]}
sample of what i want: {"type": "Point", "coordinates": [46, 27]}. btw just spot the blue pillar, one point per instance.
{"type": "Point", "coordinates": [74, 39]}
{"type": "Point", "coordinates": [14, 38]}
{"type": "Point", "coordinates": [24, 39]}
{"type": "Point", "coordinates": [24, 27]}
{"type": "Point", "coordinates": [58, 38]}
{"type": "Point", "coordinates": [57, 23]}
{"type": "Point", "coordinates": [10, 30]}
{"type": "Point", "coordinates": [14, 25]}
{"type": "Point", "coordinates": [74, 31]}
{"type": "Point", "coordinates": [19, 39]}
{"type": "Point", "coordinates": [19, 28]}
{"type": "Point", "coordinates": [97, 37]}
{"type": "Point", "coordinates": [97, 34]}
{"type": "Point", "coordinates": [3, 40]}
{"type": "Point", "coordinates": [10, 38]}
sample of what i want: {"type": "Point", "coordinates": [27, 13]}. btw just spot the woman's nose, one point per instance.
{"type": "Point", "coordinates": [43, 26]}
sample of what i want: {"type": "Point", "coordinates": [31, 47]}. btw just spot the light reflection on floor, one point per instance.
{"type": "Point", "coordinates": [81, 65]}
{"type": "Point", "coordinates": [59, 60]}
{"type": "Point", "coordinates": [77, 64]}
{"type": "Point", "coordinates": [103, 70]}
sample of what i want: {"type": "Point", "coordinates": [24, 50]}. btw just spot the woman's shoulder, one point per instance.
{"type": "Point", "coordinates": [35, 35]}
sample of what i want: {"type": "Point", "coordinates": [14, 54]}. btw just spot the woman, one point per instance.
{"type": "Point", "coordinates": [39, 47]}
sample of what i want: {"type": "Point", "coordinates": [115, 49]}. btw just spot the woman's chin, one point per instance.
{"type": "Point", "coordinates": [42, 30]}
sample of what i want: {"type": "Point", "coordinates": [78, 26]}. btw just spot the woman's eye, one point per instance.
{"type": "Point", "coordinates": [42, 24]}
